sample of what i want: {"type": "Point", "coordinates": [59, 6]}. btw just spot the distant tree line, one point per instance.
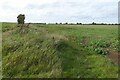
{"type": "Point", "coordinates": [93, 23]}
{"type": "Point", "coordinates": [39, 23]}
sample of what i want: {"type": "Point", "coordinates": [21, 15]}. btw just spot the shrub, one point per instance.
{"type": "Point", "coordinates": [21, 18]}
{"type": "Point", "coordinates": [99, 46]}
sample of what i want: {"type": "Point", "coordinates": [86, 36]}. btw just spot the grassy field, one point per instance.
{"type": "Point", "coordinates": [0, 50]}
{"type": "Point", "coordinates": [60, 51]}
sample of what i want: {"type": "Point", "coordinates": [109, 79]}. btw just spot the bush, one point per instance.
{"type": "Point", "coordinates": [99, 47]}
{"type": "Point", "coordinates": [21, 18]}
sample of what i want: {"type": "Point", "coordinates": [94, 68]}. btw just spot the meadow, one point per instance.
{"type": "Point", "coordinates": [60, 51]}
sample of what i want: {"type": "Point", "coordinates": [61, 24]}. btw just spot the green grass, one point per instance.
{"type": "Point", "coordinates": [0, 50]}
{"type": "Point", "coordinates": [58, 51]}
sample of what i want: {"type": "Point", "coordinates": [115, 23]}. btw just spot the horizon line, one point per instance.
{"type": "Point", "coordinates": [65, 22]}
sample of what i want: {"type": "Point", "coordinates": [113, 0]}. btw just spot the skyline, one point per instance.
{"type": "Point", "coordinates": [60, 11]}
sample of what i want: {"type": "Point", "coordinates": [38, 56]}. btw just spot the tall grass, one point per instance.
{"type": "Point", "coordinates": [55, 51]}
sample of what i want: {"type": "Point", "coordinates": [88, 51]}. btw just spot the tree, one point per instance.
{"type": "Point", "coordinates": [21, 18]}
{"type": "Point", "coordinates": [93, 23]}
{"type": "Point", "coordinates": [21, 21]}
{"type": "Point", "coordinates": [79, 23]}
{"type": "Point", "coordinates": [66, 23]}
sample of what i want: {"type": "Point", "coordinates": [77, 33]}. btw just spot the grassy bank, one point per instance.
{"type": "Point", "coordinates": [55, 51]}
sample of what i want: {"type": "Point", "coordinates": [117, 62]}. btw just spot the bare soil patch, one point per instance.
{"type": "Point", "coordinates": [114, 56]}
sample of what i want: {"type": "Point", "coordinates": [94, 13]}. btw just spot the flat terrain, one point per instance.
{"type": "Point", "coordinates": [60, 51]}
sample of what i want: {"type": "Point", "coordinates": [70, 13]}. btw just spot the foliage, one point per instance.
{"type": "Point", "coordinates": [99, 46]}
{"type": "Point", "coordinates": [21, 18]}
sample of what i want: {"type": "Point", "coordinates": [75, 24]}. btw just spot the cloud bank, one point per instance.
{"type": "Point", "coordinates": [84, 11]}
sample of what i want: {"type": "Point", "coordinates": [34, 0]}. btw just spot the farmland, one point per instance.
{"type": "Point", "coordinates": [60, 51]}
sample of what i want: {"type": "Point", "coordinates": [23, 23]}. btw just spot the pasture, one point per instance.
{"type": "Point", "coordinates": [60, 51]}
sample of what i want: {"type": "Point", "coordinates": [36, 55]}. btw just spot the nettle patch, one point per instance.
{"type": "Point", "coordinates": [99, 46]}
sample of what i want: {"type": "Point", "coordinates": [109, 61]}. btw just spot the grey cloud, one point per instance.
{"type": "Point", "coordinates": [44, 6]}
{"type": "Point", "coordinates": [7, 7]}
{"type": "Point", "coordinates": [73, 10]}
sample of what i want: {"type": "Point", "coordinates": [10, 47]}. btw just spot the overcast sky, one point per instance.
{"type": "Point", "coordinates": [85, 11]}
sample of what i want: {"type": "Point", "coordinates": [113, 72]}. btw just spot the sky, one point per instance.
{"type": "Point", "coordinates": [52, 11]}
